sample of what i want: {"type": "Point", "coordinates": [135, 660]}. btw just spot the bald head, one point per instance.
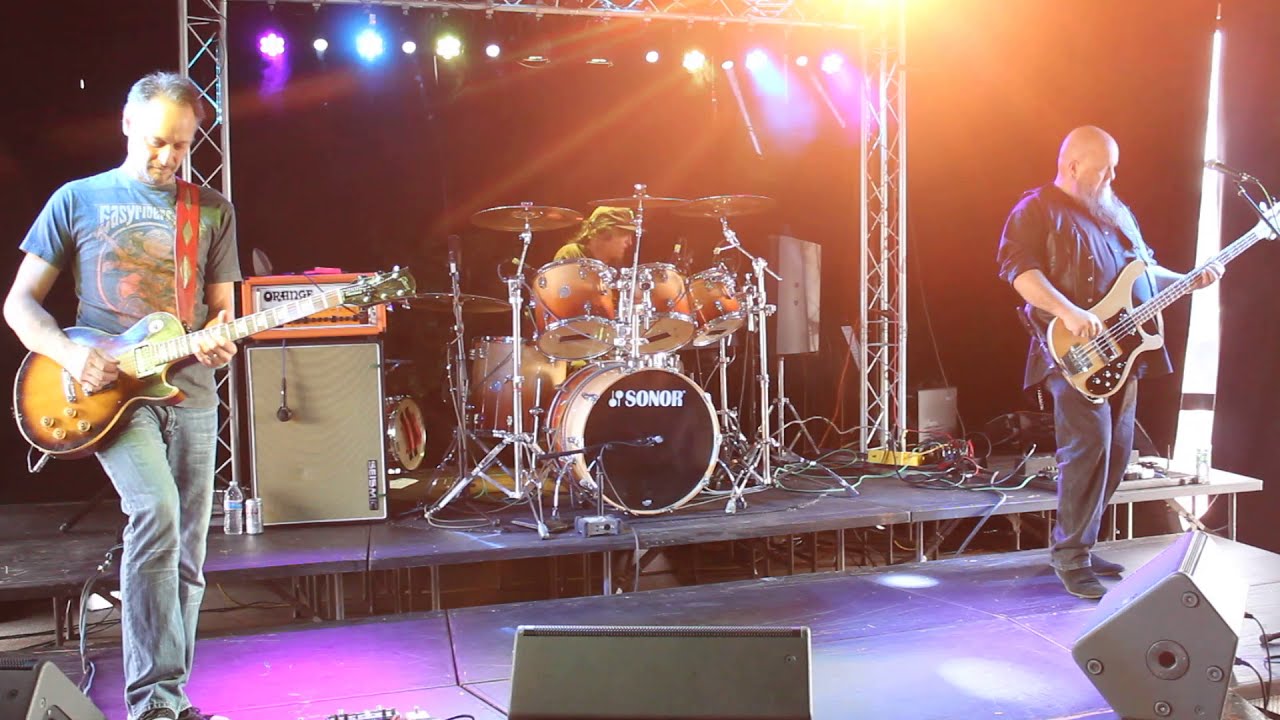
{"type": "Point", "coordinates": [1087, 163]}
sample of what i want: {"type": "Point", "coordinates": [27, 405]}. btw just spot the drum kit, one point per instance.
{"type": "Point", "coordinates": [598, 397]}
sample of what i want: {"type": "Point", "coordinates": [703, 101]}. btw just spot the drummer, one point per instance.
{"type": "Point", "coordinates": [605, 236]}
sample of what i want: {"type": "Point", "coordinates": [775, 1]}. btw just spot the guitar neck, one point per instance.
{"type": "Point", "coordinates": [1182, 285]}
{"type": "Point", "coordinates": [168, 351]}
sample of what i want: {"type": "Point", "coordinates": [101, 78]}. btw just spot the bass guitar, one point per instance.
{"type": "Point", "coordinates": [59, 418]}
{"type": "Point", "coordinates": [1099, 366]}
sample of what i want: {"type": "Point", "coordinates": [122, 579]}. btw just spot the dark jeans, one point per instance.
{"type": "Point", "coordinates": [1094, 444]}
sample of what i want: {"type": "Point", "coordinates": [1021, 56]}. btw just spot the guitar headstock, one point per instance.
{"type": "Point", "coordinates": [395, 284]}
{"type": "Point", "coordinates": [1272, 219]}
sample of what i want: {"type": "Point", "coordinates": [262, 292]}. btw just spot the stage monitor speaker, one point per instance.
{"type": "Point", "coordinates": [667, 673]}
{"type": "Point", "coordinates": [1162, 642]}
{"type": "Point", "coordinates": [37, 690]}
{"type": "Point", "coordinates": [317, 447]}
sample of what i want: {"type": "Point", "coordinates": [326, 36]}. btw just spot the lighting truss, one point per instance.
{"type": "Point", "coordinates": [883, 290]}
{"type": "Point", "coordinates": [203, 58]}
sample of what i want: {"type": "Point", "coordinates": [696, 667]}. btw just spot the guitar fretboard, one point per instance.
{"type": "Point", "coordinates": [178, 348]}
{"type": "Point", "coordinates": [1182, 286]}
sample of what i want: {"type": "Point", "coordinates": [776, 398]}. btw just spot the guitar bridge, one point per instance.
{"type": "Point", "coordinates": [68, 387]}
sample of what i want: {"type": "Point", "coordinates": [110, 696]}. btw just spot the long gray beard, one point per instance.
{"type": "Point", "coordinates": [1107, 207]}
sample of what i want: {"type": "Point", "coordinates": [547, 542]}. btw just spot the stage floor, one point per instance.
{"type": "Point", "coordinates": [970, 637]}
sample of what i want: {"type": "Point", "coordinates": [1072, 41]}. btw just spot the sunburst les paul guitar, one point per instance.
{"type": "Point", "coordinates": [1099, 366]}
{"type": "Point", "coordinates": [58, 417]}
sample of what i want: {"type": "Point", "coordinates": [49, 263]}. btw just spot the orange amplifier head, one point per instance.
{"type": "Point", "coordinates": [264, 293]}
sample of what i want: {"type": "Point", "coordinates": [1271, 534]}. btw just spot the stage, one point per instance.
{"type": "Point", "coordinates": [967, 637]}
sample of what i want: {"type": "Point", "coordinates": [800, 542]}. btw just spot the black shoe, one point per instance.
{"type": "Point", "coordinates": [193, 713]}
{"type": "Point", "coordinates": [158, 713]}
{"type": "Point", "coordinates": [1104, 567]}
{"type": "Point", "coordinates": [1082, 583]}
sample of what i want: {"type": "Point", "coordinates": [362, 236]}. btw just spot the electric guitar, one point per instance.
{"type": "Point", "coordinates": [1098, 367]}
{"type": "Point", "coordinates": [59, 418]}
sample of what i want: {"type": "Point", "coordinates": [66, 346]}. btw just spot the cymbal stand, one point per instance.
{"type": "Point", "coordinates": [734, 442]}
{"type": "Point", "coordinates": [523, 445]}
{"type": "Point", "coordinates": [632, 311]}
{"type": "Point", "coordinates": [458, 380]}
{"type": "Point", "coordinates": [759, 462]}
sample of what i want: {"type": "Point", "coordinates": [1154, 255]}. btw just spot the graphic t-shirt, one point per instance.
{"type": "Point", "coordinates": [116, 235]}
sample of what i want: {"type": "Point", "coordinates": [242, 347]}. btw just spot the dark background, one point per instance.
{"type": "Point", "coordinates": [341, 165]}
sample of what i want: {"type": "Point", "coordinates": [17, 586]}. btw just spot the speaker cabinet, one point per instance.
{"type": "Point", "coordinates": [1162, 642]}
{"type": "Point", "coordinates": [37, 690]}
{"type": "Point", "coordinates": [667, 673]}
{"type": "Point", "coordinates": [318, 450]}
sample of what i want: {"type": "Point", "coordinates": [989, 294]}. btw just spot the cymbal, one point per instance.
{"type": "Point", "coordinates": [443, 302]}
{"type": "Point", "coordinates": [651, 202]}
{"type": "Point", "coordinates": [511, 218]}
{"type": "Point", "coordinates": [718, 206]}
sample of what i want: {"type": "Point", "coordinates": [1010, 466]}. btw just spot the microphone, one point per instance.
{"type": "Point", "coordinates": [283, 413]}
{"type": "Point", "coordinates": [455, 251]}
{"type": "Point", "coordinates": [651, 441]}
{"type": "Point", "coordinates": [1218, 166]}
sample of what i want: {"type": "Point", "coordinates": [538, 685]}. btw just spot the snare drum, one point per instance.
{"type": "Point", "coordinates": [573, 309]}
{"type": "Point", "coordinates": [406, 432]}
{"type": "Point", "coordinates": [670, 325]}
{"type": "Point", "coordinates": [719, 312]}
{"type": "Point", "coordinates": [609, 402]}
{"type": "Point", "coordinates": [491, 374]}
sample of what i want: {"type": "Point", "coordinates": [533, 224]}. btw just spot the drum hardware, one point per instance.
{"type": "Point", "coordinates": [783, 404]}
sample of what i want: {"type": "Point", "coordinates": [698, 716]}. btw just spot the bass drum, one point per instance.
{"type": "Point", "coordinates": [406, 432]}
{"type": "Point", "coordinates": [611, 402]}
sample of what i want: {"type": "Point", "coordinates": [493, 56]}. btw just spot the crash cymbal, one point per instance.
{"type": "Point", "coordinates": [443, 302]}
{"type": "Point", "coordinates": [651, 202]}
{"type": "Point", "coordinates": [511, 218]}
{"type": "Point", "coordinates": [718, 206]}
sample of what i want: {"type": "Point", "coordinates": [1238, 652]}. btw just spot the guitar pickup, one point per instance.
{"type": "Point", "coordinates": [144, 361]}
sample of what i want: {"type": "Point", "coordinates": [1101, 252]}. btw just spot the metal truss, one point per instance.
{"type": "Point", "coordinates": [791, 13]}
{"type": "Point", "coordinates": [883, 290]}
{"type": "Point", "coordinates": [203, 58]}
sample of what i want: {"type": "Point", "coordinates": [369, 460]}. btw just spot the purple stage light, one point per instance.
{"type": "Point", "coordinates": [271, 45]}
{"type": "Point", "coordinates": [832, 63]}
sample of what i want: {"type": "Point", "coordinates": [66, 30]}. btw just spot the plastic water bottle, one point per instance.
{"type": "Point", "coordinates": [233, 510]}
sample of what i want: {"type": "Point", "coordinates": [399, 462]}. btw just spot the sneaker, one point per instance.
{"type": "Point", "coordinates": [1082, 583]}
{"type": "Point", "coordinates": [193, 713]}
{"type": "Point", "coordinates": [1104, 567]}
{"type": "Point", "coordinates": [158, 713]}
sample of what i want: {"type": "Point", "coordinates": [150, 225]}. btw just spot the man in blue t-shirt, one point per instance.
{"type": "Point", "coordinates": [115, 231]}
{"type": "Point", "coordinates": [1062, 249]}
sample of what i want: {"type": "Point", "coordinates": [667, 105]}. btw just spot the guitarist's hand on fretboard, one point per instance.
{"type": "Point", "coordinates": [1082, 323]}
{"type": "Point", "coordinates": [1210, 275]}
{"type": "Point", "coordinates": [216, 354]}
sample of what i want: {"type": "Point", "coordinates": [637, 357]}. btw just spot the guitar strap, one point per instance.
{"type": "Point", "coordinates": [186, 247]}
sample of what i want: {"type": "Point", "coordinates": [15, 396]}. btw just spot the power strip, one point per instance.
{"type": "Point", "coordinates": [881, 456]}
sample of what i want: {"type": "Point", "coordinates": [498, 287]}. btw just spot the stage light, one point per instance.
{"type": "Point", "coordinates": [320, 45]}
{"type": "Point", "coordinates": [802, 60]}
{"type": "Point", "coordinates": [409, 47]}
{"type": "Point", "coordinates": [369, 44]}
{"type": "Point", "coordinates": [727, 64]}
{"type": "Point", "coordinates": [756, 59]}
{"type": "Point", "coordinates": [651, 56]}
{"type": "Point", "coordinates": [600, 62]}
{"type": "Point", "coordinates": [448, 47]}
{"type": "Point", "coordinates": [492, 50]}
{"type": "Point", "coordinates": [832, 63]}
{"type": "Point", "coordinates": [694, 61]}
{"type": "Point", "coordinates": [271, 45]}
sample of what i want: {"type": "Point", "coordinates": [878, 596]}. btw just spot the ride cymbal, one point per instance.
{"type": "Point", "coordinates": [512, 218]}
{"type": "Point", "coordinates": [651, 202]}
{"type": "Point", "coordinates": [443, 302]}
{"type": "Point", "coordinates": [718, 206]}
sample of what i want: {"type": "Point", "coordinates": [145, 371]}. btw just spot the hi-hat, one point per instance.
{"type": "Point", "coordinates": [443, 302]}
{"type": "Point", "coordinates": [651, 202]}
{"type": "Point", "coordinates": [719, 206]}
{"type": "Point", "coordinates": [512, 218]}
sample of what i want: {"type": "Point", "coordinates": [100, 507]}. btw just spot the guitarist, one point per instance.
{"type": "Point", "coordinates": [1062, 248]}
{"type": "Point", "coordinates": [117, 233]}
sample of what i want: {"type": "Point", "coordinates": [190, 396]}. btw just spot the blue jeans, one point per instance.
{"type": "Point", "coordinates": [1094, 444]}
{"type": "Point", "coordinates": [162, 465]}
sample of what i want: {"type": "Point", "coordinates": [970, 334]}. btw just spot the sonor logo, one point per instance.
{"type": "Point", "coordinates": [274, 296]}
{"type": "Point", "coordinates": [647, 398]}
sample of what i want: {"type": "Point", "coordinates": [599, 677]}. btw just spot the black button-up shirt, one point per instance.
{"type": "Point", "coordinates": [1081, 256]}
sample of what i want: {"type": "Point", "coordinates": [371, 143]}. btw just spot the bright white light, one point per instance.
{"type": "Point", "coordinates": [271, 45]}
{"type": "Point", "coordinates": [603, 62]}
{"type": "Point", "coordinates": [369, 44]}
{"type": "Point", "coordinates": [832, 64]}
{"type": "Point", "coordinates": [448, 47]}
{"type": "Point", "coordinates": [802, 60]}
{"type": "Point", "coordinates": [906, 581]}
{"type": "Point", "coordinates": [320, 45]}
{"type": "Point", "coordinates": [651, 56]}
{"type": "Point", "coordinates": [409, 47]}
{"type": "Point", "coordinates": [694, 60]}
{"type": "Point", "coordinates": [756, 59]}
{"type": "Point", "coordinates": [727, 64]}
{"type": "Point", "coordinates": [492, 50]}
